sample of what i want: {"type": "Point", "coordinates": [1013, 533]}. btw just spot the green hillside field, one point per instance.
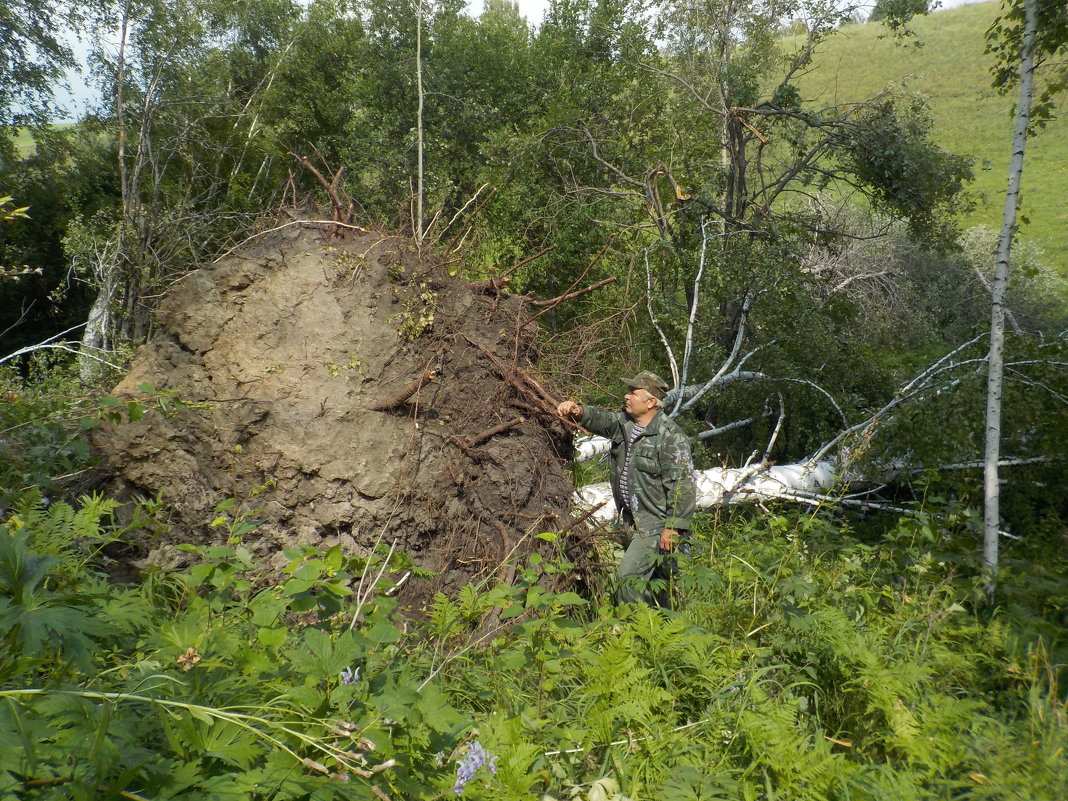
{"type": "Point", "coordinates": [951, 71]}
{"type": "Point", "coordinates": [24, 142]}
{"type": "Point", "coordinates": [23, 138]}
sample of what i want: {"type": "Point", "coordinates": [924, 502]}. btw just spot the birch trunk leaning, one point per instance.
{"type": "Point", "coordinates": [995, 369]}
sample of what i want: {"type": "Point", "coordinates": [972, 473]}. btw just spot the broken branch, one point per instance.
{"type": "Point", "coordinates": [529, 259]}
{"type": "Point", "coordinates": [331, 186]}
{"type": "Point", "coordinates": [570, 295]}
{"type": "Point", "coordinates": [583, 518]}
{"type": "Point", "coordinates": [552, 304]}
{"type": "Point", "coordinates": [497, 282]}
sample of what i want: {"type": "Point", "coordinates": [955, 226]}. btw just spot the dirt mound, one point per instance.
{"type": "Point", "coordinates": [350, 393]}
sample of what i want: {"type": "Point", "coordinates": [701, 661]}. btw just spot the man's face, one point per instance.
{"type": "Point", "coordinates": [637, 402]}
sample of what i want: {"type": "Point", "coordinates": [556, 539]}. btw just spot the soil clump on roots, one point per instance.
{"type": "Point", "coordinates": [350, 394]}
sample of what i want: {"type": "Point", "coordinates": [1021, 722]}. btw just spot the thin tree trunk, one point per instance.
{"type": "Point", "coordinates": [120, 118]}
{"type": "Point", "coordinates": [725, 155]}
{"type": "Point", "coordinates": [419, 120]}
{"type": "Point", "coordinates": [97, 333]}
{"type": "Point", "coordinates": [991, 487]}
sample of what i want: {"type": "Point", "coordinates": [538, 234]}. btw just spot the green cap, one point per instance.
{"type": "Point", "coordinates": [650, 382]}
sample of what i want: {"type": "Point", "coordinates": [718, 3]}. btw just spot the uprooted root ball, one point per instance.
{"type": "Point", "coordinates": [350, 394]}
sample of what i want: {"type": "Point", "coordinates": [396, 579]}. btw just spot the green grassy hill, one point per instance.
{"type": "Point", "coordinates": [952, 72]}
{"type": "Point", "coordinates": [23, 138]}
{"type": "Point", "coordinates": [23, 142]}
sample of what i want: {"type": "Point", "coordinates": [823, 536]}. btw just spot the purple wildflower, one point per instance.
{"type": "Point", "coordinates": [350, 675]}
{"type": "Point", "coordinates": [477, 756]}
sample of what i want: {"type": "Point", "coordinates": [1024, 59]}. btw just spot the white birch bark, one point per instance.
{"type": "Point", "coordinates": [995, 369]}
{"type": "Point", "coordinates": [719, 486]}
{"type": "Point", "coordinates": [95, 336]}
{"type": "Point", "coordinates": [828, 466]}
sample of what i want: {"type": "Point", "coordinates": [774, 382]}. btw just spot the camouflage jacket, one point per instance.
{"type": "Point", "coordinates": [661, 483]}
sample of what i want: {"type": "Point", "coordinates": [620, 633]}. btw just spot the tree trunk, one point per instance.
{"type": "Point", "coordinates": [720, 486]}
{"type": "Point", "coordinates": [995, 368]}
{"type": "Point", "coordinates": [97, 333]}
{"type": "Point", "coordinates": [120, 118]}
{"type": "Point", "coordinates": [97, 330]}
{"type": "Point", "coordinates": [419, 120]}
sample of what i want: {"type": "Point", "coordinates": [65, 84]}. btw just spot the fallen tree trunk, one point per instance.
{"type": "Point", "coordinates": [803, 482]}
{"type": "Point", "coordinates": [718, 486]}
{"type": "Point", "coordinates": [820, 471]}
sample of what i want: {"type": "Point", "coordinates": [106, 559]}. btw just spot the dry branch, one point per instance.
{"type": "Point", "coordinates": [552, 304]}
{"type": "Point", "coordinates": [582, 518]}
{"type": "Point", "coordinates": [498, 282]}
{"type": "Point", "coordinates": [569, 295]}
{"type": "Point", "coordinates": [470, 220]}
{"type": "Point", "coordinates": [529, 259]}
{"type": "Point", "coordinates": [342, 212]}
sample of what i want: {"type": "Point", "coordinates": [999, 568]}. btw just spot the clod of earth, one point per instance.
{"type": "Point", "coordinates": [349, 393]}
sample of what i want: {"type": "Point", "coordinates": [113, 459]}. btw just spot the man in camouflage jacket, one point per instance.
{"type": "Point", "coordinates": [652, 480]}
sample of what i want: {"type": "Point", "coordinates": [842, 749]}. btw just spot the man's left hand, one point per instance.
{"type": "Point", "coordinates": [667, 539]}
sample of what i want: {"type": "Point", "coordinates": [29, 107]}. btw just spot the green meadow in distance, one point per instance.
{"type": "Point", "coordinates": [951, 71]}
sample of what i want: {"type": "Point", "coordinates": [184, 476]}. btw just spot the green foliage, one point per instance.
{"type": "Point", "coordinates": [9, 212]}
{"type": "Point", "coordinates": [810, 656]}
{"type": "Point", "coordinates": [420, 307]}
{"type": "Point", "coordinates": [805, 661]}
{"type": "Point", "coordinates": [33, 57]}
{"type": "Point", "coordinates": [945, 433]}
{"type": "Point", "coordinates": [40, 438]}
{"type": "Point", "coordinates": [891, 152]}
{"type": "Point", "coordinates": [206, 682]}
{"type": "Point", "coordinates": [42, 625]}
{"type": "Point", "coordinates": [67, 174]}
{"type": "Point", "coordinates": [897, 14]}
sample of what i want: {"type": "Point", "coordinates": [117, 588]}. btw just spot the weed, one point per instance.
{"type": "Point", "coordinates": [418, 315]}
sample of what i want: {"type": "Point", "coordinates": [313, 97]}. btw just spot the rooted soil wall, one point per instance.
{"type": "Point", "coordinates": [285, 348]}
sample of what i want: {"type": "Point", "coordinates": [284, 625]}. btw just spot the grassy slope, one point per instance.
{"type": "Point", "coordinates": [24, 142]}
{"type": "Point", "coordinates": [953, 73]}
{"type": "Point", "coordinates": [23, 138]}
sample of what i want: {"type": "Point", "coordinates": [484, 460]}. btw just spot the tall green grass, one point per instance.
{"type": "Point", "coordinates": [948, 67]}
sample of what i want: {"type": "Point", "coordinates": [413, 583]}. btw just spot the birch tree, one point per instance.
{"type": "Point", "coordinates": [724, 175]}
{"type": "Point", "coordinates": [1017, 43]}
